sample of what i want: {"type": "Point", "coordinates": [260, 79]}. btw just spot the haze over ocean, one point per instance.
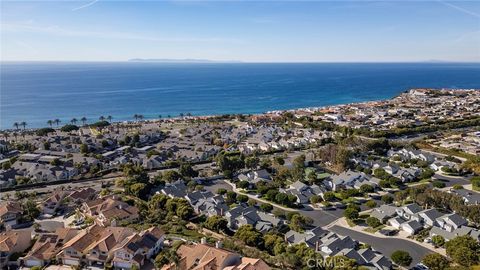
{"type": "Point", "coordinates": [36, 92]}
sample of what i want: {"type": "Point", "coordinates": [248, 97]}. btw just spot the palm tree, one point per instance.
{"type": "Point", "coordinates": [15, 135]}
{"type": "Point", "coordinates": [101, 118]}
{"type": "Point", "coordinates": [169, 116]}
{"type": "Point", "coordinates": [181, 114]}
{"type": "Point", "coordinates": [16, 125]}
{"type": "Point", "coordinates": [74, 121]}
{"type": "Point", "coordinates": [23, 124]}
{"type": "Point", "coordinates": [159, 116]}
{"type": "Point", "coordinates": [135, 116]}
{"type": "Point", "coordinates": [50, 123]}
{"type": "Point", "coordinates": [5, 135]}
{"type": "Point", "coordinates": [57, 121]}
{"type": "Point", "coordinates": [140, 116]}
{"type": "Point", "coordinates": [84, 120]}
{"type": "Point", "coordinates": [189, 114]}
{"type": "Point", "coordinates": [109, 118]}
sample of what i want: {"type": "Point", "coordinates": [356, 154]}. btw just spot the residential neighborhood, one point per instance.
{"type": "Point", "coordinates": [280, 190]}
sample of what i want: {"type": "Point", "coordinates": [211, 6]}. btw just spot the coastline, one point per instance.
{"type": "Point", "coordinates": [267, 113]}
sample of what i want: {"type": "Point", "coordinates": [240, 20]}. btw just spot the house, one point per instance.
{"type": "Point", "coordinates": [396, 222]}
{"type": "Point", "coordinates": [211, 206]}
{"type": "Point", "coordinates": [349, 179]}
{"type": "Point", "coordinates": [469, 197]}
{"type": "Point", "coordinates": [332, 244]}
{"type": "Point", "coordinates": [461, 231]}
{"type": "Point", "coordinates": [242, 215]}
{"type": "Point", "coordinates": [429, 217]}
{"type": "Point", "coordinates": [110, 210]}
{"type": "Point", "coordinates": [176, 189]}
{"type": "Point", "coordinates": [254, 177]}
{"type": "Point", "coordinates": [52, 203]}
{"type": "Point", "coordinates": [409, 211]}
{"type": "Point", "coordinates": [303, 192]}
{"type": "Point", "coordinates": [11, 242]}
{"type": "Point", "coordinates": [451, 222]}
{"type": "Point", "coordinates": [384, 212]}
{"type": "Point", "coordinates": [375, 259]}
{"type": "Point", "coordinates": [75, 249]}
{"type": "Point", "coordinates": [411, 227]}
{"type": "Point", "coordinates": [137, 248]}
{"type": "Point", "coordinates": [10, 214]}
{"type": "Point", "coordinates": [202, 256]}
{"type": "Point", "coordinates": [311, 238]}
{"type": "Point", "coordinates": [47, 246]}
{"type": "Point", "coordinates": [83, 195]}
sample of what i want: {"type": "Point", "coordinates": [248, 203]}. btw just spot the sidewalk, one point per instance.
{"type": "Point", "coordinates": [343, 223]}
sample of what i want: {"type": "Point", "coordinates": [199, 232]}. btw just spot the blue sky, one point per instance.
{"type": "Point", "coordinates": [255, 31]}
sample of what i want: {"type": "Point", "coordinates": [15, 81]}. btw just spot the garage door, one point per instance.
{"type": "Point", "coordinates": [31, 263]}
{"type": "Point", "coordinates": [70, 262]}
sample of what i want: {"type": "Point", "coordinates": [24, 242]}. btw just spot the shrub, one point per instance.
{"type": "Point", "coordinates": [69, 128]}
{"type": "Point", "coordinates": [401, 258]}
{"type": "Point", "coordinates": [373, 222]}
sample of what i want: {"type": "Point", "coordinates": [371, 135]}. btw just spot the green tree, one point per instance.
{"type": "Point", "coordinates": [351, 213]}
{"type": "Point", "coordinates": [387, 199]}
{"type": "Point", "coordinates": [401, 258]}
{"type": "Point", "coordinates": [186, 170]}
{"type": "Point", "coordinates": [249, 236]}
{"type": "Point", "coordinates": [373, 222]}
{"type": "Point", "coordinates": [438, 240]}
{"type": "Point", "coordinates": [329, 196]}
{"type": "Point", "coordinates": [366, 188]}
{"type": "Point", "coordinates": [371, 204]}
{"type": "Point", "coordinates": [216, 223]}
{"type": "Point", "coordinates": [299, 222]}
{"type": "Point", "coordinates": [435, 261]}
{"type": "Point", "coordinates": [252, 162]}
{"type": "Point", "coordinates": [463, 250]}
{"type": "Point", "coordinates": [266, 207]}
{"type": "Point", "coordinates": [30, 210]}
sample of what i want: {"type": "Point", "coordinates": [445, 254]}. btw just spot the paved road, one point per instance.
{"type": "Point", "coordinates": [322, 217]}
{"type": "Point", "coordinates": [385, 245]}
{"type": "Point", "coordinates": [451, 181]}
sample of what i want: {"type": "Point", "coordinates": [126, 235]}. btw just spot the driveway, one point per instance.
{"type": "Point", "coordinates": [385, 245]}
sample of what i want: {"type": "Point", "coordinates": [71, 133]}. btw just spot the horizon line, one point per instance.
{"type": "Point", "coordinates": [193, 61]}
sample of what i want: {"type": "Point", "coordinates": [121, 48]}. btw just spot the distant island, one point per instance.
{"type": "Point", "coordinates": [161, 60]}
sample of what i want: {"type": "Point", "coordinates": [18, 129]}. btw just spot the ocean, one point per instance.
{"type": "Point", "coordinates": [36, 92]}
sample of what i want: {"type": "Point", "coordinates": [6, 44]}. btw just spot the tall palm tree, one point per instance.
{"type": "Point", "coordinates": [57, 121]}
{"type": "Point", "coordinates": [16, 125]}
{"type": "Point", "coordinates": [23, 124]}
{"type": "Point", "coordinates": [50, 123]}
{"type": "Point", "coordinates": [109, 118]}
{"type": "Point", "coordinates": [84, 120]}
{"type": "Point", "coordinates": [74, 121]}
{"type": "Point", "coordinates": [189, 114]}
{"type": "Point", "coordinates": [15, 135]}
{"type": "Point", "coordinates": [181, 114]}
{"type": "Point", "coordinates": [135, 116]}
{"type": "Point", "coordinates": [101, 118]}
{"type": "Point", "coordinates": [140, 116]}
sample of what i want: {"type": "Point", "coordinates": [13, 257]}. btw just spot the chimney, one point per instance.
{"type": "Point", "coordinates": [203, 241]}
{"type": "Point", "coordinates": [218, 244]}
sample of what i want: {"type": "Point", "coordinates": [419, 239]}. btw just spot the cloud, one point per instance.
{"type": "Point", "coordinates": [463, 10]}
{"type": "Point", "coordinates": [86, 5]}
{"type": "Point", "coordinates": [64, 32]}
